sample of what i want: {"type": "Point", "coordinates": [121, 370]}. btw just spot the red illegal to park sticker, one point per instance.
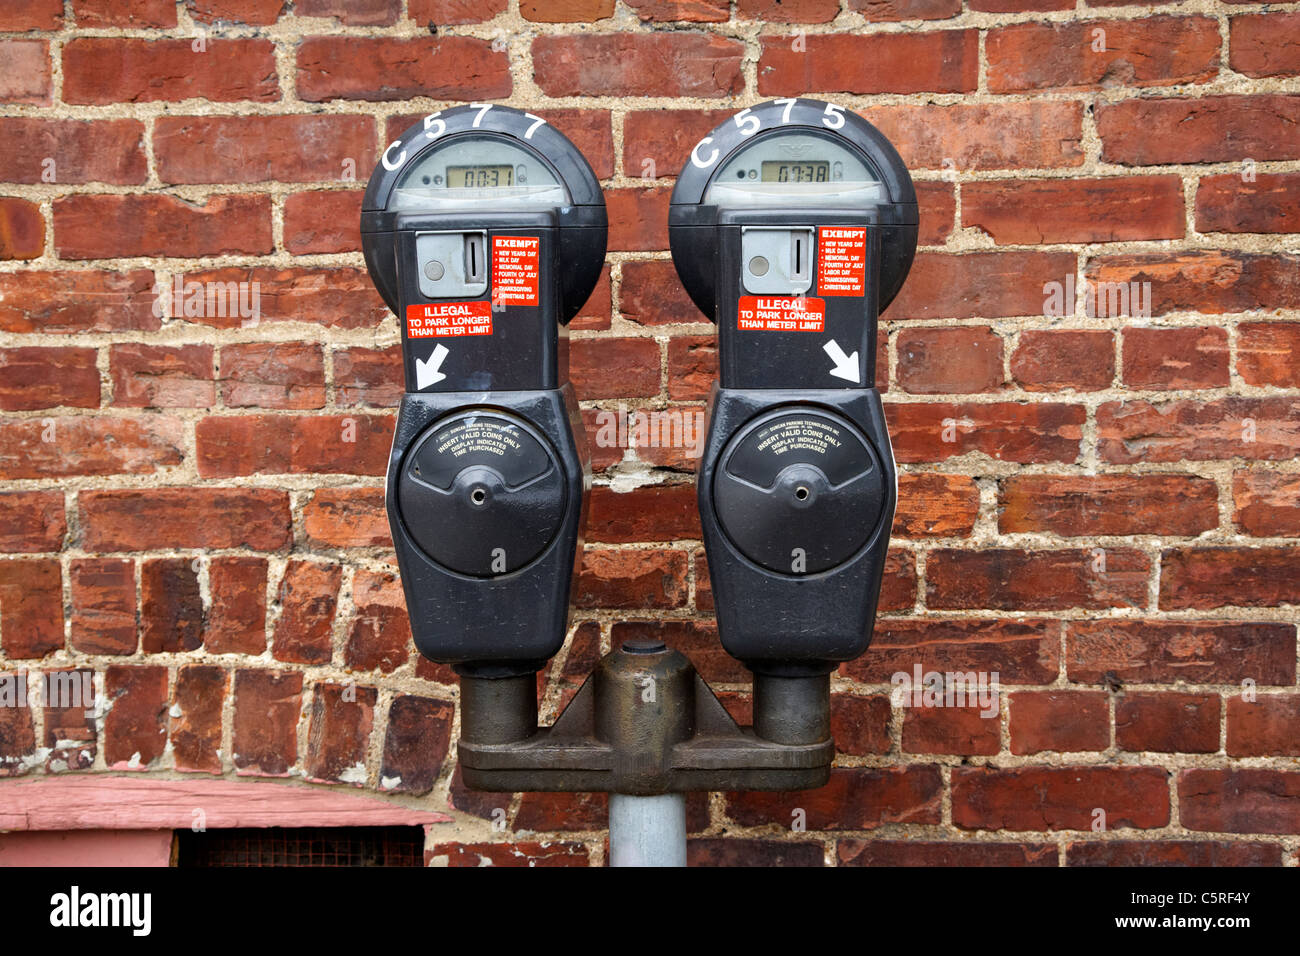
{"type": "Point", "coordinates": [439, 319]}
{"type": "Point", "coordinates": [771, 313]}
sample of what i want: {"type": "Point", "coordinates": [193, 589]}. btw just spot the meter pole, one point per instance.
{"type": "Point", "coordinates": [647, 831]}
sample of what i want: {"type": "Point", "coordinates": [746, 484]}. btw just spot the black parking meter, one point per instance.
{"type": "Point", "coordinates": [792, 225]}
{"type": "Point", "coordinates": [484, 230]}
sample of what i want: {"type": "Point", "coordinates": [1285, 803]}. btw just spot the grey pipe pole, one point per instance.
{"type": "Point", "coordinates": [647, 831]}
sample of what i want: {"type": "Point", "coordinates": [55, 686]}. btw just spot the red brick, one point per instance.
{"type": "Point", "coordinates": [40, 377]}
{"type": "Point", "coordinates": [938, 205]}
{"type": "Point", "coordinates": [1265, 727]}
{"type": "Point", "coordinates": [110, 227]}
{"type": "Point", "coordinates": [77, 301]}
{"type": "Point", "coordinates": [168, 69]}
{"type": "Point", "coordinates": [136, 14]}
{"type": "Point", "coordinates": [70, 724]}
{"type": "Point", "coordinates": [648, 513]}
{"type": "Point", "coordinates": [364, 376]}
{"type": "Point", "coordinates": [347, 518]}
{"type": "Point", "coordinates": [162, 376]}
{"type": "Point", "coordinates": [1153, 51]}
{"type": "Point", "coordinates": [25, 75]}
{"type": "Point", "coordinates": [1167, 723]}
{"type": "Point", "coordinates": [31, 607]}
{"type": "Point", "coordinates": [693, 365]}
{"type": "Point", "coordinates": [1061, 721]}
{"type": "Point", "coordinates": [951, 730]}
{"type": "Point", "coordinates": [1039, 134]}
{"type": "Point", "coordinates": [703, 586]}
{"type": "Point", "coordinates": [22, 229]}
{"type": "Point", "coordinates": [657, 143]}
{"type": "Point", "coordinates": [523, 853]}
{"type": "Point", "coordinates": [855, 799]}
{"type": "Point", "coordinates": [1113, 209]}
{"type": "Point", "coordinates": [936, 506]}
{"type": "Point", "coordinates": [32, 15]}
{"type": "Point", "coordinates": [256, 12]}
{"type": "Point", "coordinates": [1267, 504]}
{"type": "Point", "coordinates": [732, 852]}
{"type": "Point", "coordinates": [31, 521]}
{"type": "Point", "coordinates": [1206, 578]}
{"type": "Point", "coordinates": [1009, 579]}
{"type": "Point", "coordinates": [254, 149]}
{"type": "Point", "coordinates": [638, 219]}
{"type": "Point", "coordinates": [178, 518]}
{"type": "Point", "coordinates": [949, 360]}
{"type": "Point", "coordinates": [1258, 428]}
{"type": "Point", "coordinates": [48, 448]}
{"type": "Point", "coordinates": [942, 285]}
{"type": "Point", "coordinates": [1264, 44]}
{"type": "Point", "coordinates": [1124, 853]}
{"type": "Point", "coordinates": [1020, 6]}
{"type": "Point", "coordinates": [889, 11]}
{"type": "Point", "coordinates": [1021, 650]}
{"type": "Point", "coordinates": [614, 368]}
{"type": "Point", "coordinates": [342, 716]}
{"type": "Point", "coordinates": [1185, 357]}
{"type": "Point", "coordinates": [1270, 202]}
{"type": "Point", "coordinates": [230, 446]}
{"type": "Point", "coordinates": [1059, 798]}
{"type": "Point", "coordinates": [450, 12]}
{"type": "Point", "coordinates": [380, 638]}
{"type": "Point", "coordinates": [567, 11]}
{"type": "Point", "coordinates": [1239, 801]}
{"type": "Point", "coordinates": [265, 738]}
{"type": "Point", "coordinates": [334, 297]}
{"type": "Point", "coordinates": [597, 312]}
{"type": "Point", "coordinates": [195, 730]}
{"type": "Point", "coordinates": [898, 586]}
{"type": "Point", "coordinates": [17, 730]}
{"type": "Point", "coordinates": [937, 61]}
{"type": "Point", "coordinates": [1007, 431]}
{"type": "Point", "coordinates": [416, 743]}
{"type": "Point", "coordinates": [171, 607]}
{"type": "Point", "coordinates": [1056, 360]}
{"type": "Point", "coordinates": [1108, 505]}
{"type": "Point", "coordinates": [352, 12]}
{"type": "Point", "coordinates": [1265, 353]}
{"type": "Point", "coordinates": [564, 812]}
{"type": "Point", "coordinates": [638, 64]}
{"type": "Point", "coordinates": [389, 68]}
{"type": "Point", "coordinates": [855, 852]}
{"type": "Point", "coordinates": [135, 728]}
{"type": "Point", "coordinates": [860, 725]}
{"type": "Point", "coordinates": [632, 579]}
{"type": "Point", "coordinates": [236, 620]}
{"type": "Point", "coordinates": [103, 606]}
{"type": "Point", "coordinates": [697, 640]}
{"type": "Point", "coordinates": [1208, 129]}
{"type": "Point", "coordinates": [323, 221]}
{"type": "Point", "coordinates": [308, 599]}
{"type": "Point", "coordinates": [1198, 652]}
{"type": "Point", "coordinates": [82, 151]}
{"type": "Point", "coordinates": [273, 375]}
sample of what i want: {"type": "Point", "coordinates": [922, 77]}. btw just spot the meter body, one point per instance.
{"type": "Point", "coordinates": [484, 230]}
{"type": "Point", "coordinates": [792, 225]}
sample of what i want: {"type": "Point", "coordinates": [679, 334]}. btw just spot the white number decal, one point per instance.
{"type": "Point", "coordinates": [833, 111]}
{"type": "Point", "coordinates": [748, 124]}
{"type": "Point", "coordinates": [432, 120]}
{"type": "Point", "coordinates": [482, 112]}
{"type": "Point", "coordinates": [533, 129]}
{"type": "Point", "coordinates": [789, 105]}
{"type": "Point", "coordinates": [400, 159]}
{"type": "Point", "coordinates": [695, 154]}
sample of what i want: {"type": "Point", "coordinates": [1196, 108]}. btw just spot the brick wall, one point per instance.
{"type": "Point", "coordinates": [1102, 509]}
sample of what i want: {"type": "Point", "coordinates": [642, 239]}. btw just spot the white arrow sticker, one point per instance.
{"type": "Point", "coordinates": [426, 370]}
{"type": "Point", "coordinates": [846, 366]}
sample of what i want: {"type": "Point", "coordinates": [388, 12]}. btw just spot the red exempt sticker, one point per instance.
{"type": "Point", "coordinates": [763, 313]}
{"type": "Point", "coordinates": [841, 261]}
{"type": "Point", "coordinates": [515, 269]}
{"type": "Point", "coordinates": [438, 319]}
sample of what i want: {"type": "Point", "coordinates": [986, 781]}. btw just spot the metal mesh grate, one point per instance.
{"type": "Point", "coordinates": [306, 846]}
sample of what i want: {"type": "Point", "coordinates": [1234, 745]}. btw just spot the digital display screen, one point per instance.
{"type": "Point", "coordinates": [780, 171]}
{"type": "Point", "coordinates": [480, 177]}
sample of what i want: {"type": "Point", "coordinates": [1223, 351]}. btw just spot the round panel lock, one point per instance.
{"type": "Point", "coordinates": [482, 493]}
{"type": "Point", "coordinates": [799, 491]}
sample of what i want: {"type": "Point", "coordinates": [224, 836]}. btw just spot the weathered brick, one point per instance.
{"type": "Point", "coordinates": [1061, 721]}
{"type": "Point", "coordinates": [715, 851]}
{"type": "Point", "coordinates": [1208, 129]}
{"type": "Point", "coordinates": [162, 376]}
{"type": "Point", "coordinates": [195, 730]}
{"type": "Point", "coordinates": [614, 367]}
{"type": "Point", "coordinates": [337, 297]}
{"type": "Point", "coordinates": [235, 445]}
{"type": "Point", "coordinates": [17, 729]}
{"type": "Point", "coordinates": [1072, 506]}
{"type": "Point", "coordinates": [638, 64]}
{"type": "Point", "coordinates": [365, 376]}
{"type": "Point", "coordinates": [1036, 134]}
{"type": "Point", "coordinates": [1167, 722]}
{"type": "Point", "coordinates": [1205, 578]}
{"type": "Point", "coordinates": [1192, 357]}
{"type": "Point", "coordinates": [938, 61]}
{"type": "Point", "coordinates": [860, 725]}
{"type": "Point", "coordinates": [109, 227]}
{"type": "Point", "coordinates": [632, 579]}
{"type": "Point", "coordinates": [1217, 853]}
{"type": "Point", "coordinates": [352, 12]}
{"type": "Point", "coordinates": [1267, 726]}
{"type": "Point", "coordinates": [856, 852]}
{"type": "Point", "coordinates": [308, 599]}
{"type": "Point", "coordinates": [415, 746]}
{"type": "Point", "coordinates": [949, 360]}
{"type": "Point", "coordinates": [518, 853]}
{"type": "Point", "coordinates": [255, 149]}
{"type": "Point", "coordinates": [693, 361]}
{"type": "Point", "coordinates": [80, 300]}
{"type": "Point", "coordinates": [936, 506]}
{"type": "Point", "coordinates": [1007, 431]}
{"type": "Point", "coordinates": [657, 143]}
{"type": "Point", "coordinates": [638, 218]}
{"type": "Point", "coordinates": [1264, 44]}
{"type": "Point", "coordinates": [989, 285]}
{"type": "Point", "coordinates": [70, 722]}
{"type": "Point", "coordinates": [265, 728]}
{"type": "Point", "coordinates": [272, 375]}
{"type": "Point", "coordinates": [25, 72]}
{"type": "Point", "coordinates": [176, 518]}
{"type": "Point", "coordinates": [22, 229]}
{"type": "Point", "coordinates": [1267, 504]}
{"type": "Point", "coordinates": [1239, 801]}
{"type": "Point", "coordinates": [389, 68]}
{"type": "Point", "coordinates": [256, 12]}
{"type": "Point", "coordinates": [33, 15]}
{"type": "Point", "coordinates": [854, 799]}
{"type": "Point", "coordinates": [347, 518]}
{"type": "Point", "coordinates": [966, 731]}
{"type": "Point", "coordinates": [137, 14]}
{"type": "Point", "coordinates": [648, 513]}
{"type": "Point", "coordinates": [380, 638]}
{"type": "Point", "coordinates": [39, 377]}
{"type": "Point", "coordinates": [31, 607]}
{"type": "Point", "coordinates": [1055, 360]}
{"type": "Point", "coordinates": [342, 716]}
{"type": "Point", "coordinates": [1059, 798]}
{"type": "Point", "coordinates": [103, 606]}
{"type": "Point", "coordinates": [1113, 209]}
{"type": "Point", "coordinates": [651, 295]}
{"type": "Point", "coordinates": [1207, 281]}
{"type": "Point", "coordinates": [1199, 652]}
{"type": "Point", "coordinates": [144, 71]}
{"type": "Point", "coordinates": [323, 221]}
{"type": "Point", "coordinates": [1267, 202]}
{"type": "Point", "coordinates": [888, 11]}
{"type": "Point", "coordinates": [567, 11]}
{"type": "Point", "coordinates": [236, 620]}
{"type": "Point", "coordinates": [171, 607]}
{"type": "Point", "coordinates": [85, 445]}
{"type": "Point", "coordinates": [1267, 429]}
{"type": "Point", "coordinates": [899, 583]}
{"type": "Point", "coordinates": [68, 151]}
{"type": "Point", "coordinates": [1266, 352]}
{"type": "Point", "coordinates": [135, 727]}
{"type": "Point", "coordinates": [1009, 579]}
{"type": "Point", "coordinates": [31, 521]}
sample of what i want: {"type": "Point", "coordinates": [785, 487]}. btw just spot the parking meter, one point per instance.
{"type": "Point", "coordinates": [792, 225]}
{"type": "Point", "coordinates": [484, 230]}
